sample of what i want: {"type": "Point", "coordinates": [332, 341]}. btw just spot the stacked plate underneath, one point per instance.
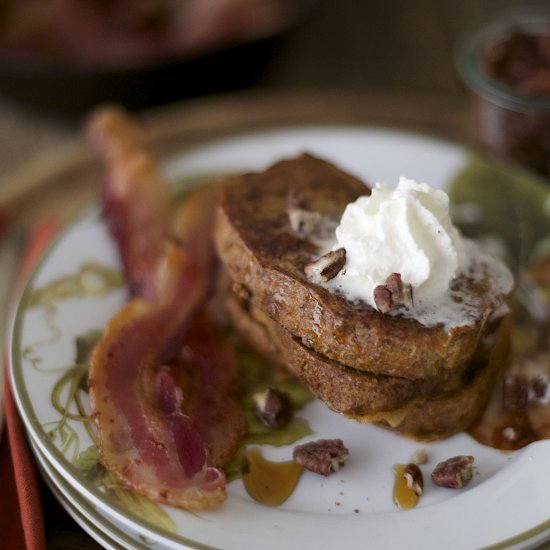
{"type": "Point", "coordinates": [107, 531]}
{"type": "Point", "coordinates": [74, 291]}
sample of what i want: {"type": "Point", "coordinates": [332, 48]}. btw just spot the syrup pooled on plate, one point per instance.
{"type": "Point", "coordinates": [510, 209]}
{"type": "Point", "coordinates": [504, 428]}
{"type": "Point", "coordinates": [269, 483]}
{"type": "Point", "coordinates": [404, 496]}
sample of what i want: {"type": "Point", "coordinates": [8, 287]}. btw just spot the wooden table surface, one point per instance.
{"type": "Point", "coordinates": [64, 181]}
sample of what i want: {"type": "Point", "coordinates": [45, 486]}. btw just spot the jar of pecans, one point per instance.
{"type": "Point", "coordinates": [507, 65]}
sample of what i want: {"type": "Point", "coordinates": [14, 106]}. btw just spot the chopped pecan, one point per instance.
{"type": "Point", "coordinates": [401, 292]}
{"type": "Point", "coordinates": [273, 407]}
{"type": "Point", "coordinates": [303, 221]}
{"type": "Point", "coordinates": [383, 299]}
{"type": "Point", "coordinates": [326, 267]}
{"type": "Point", "coordinates": [454, 472]}
{"type": "Point", "coordinates": [394, 294]}
{"type": "Point", "coordinates": [414, 479]}
{"type": "Point", "coordinates": [323, 456]}
{"type": "Point", "coordinates": [515, 392]}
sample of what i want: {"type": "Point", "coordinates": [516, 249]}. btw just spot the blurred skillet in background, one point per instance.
{"type": "Point", "coordinates": [67, 55]}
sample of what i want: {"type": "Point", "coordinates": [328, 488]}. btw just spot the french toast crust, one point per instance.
{"type": "Point", "coordinates": [262, 255]}
{"type": "Point", "coordinates": [454, 412]}
{"type": "Point", "coordinates": [356, 394]}
{"type": "Point", "coordinates": [415, 408]}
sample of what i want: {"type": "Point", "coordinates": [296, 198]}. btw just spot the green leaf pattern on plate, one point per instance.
{"type": "Point", "coordinates": [68, 395]}
{"type": "Point", "coordinates": [507, 209]}
{"type": "Point", "coordinates": [88, 463]}
{"type": "Point", "coordinates": [257, 376]}
{"type": "Point", "coordinates": [69, 392]}
{"type": "Point", "coordinates": [510, 205]}
{"type": "Point", "coordinates": [91, 279]}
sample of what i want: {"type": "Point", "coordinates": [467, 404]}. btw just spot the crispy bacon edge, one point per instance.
{"type": "Point", "coordinates": [134, 197]}
{"type": "Point", "coordinates": [146, 439]}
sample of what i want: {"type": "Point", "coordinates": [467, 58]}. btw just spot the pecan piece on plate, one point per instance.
{"type": "Point", "coordinates": [273, 407]}
{"type": "Point", "coordinates": [323, 456]}
{"type": "Point", "coordinates": [454, 472]}
{"type": "Point", "coordinates": [413, 477]}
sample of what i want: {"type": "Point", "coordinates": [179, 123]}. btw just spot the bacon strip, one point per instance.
{"type": "Point", "coordinates": [145, 438]}
{"type": "Point", "coordinates": [211, 390]}
{"type": "Point", "coordinates": [159, 442]}
{"type": "Point", "coordinates": [134, 197]}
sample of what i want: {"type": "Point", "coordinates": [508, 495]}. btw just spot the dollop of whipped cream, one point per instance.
{"type": "Point", "coordinates": [405, 230]}
{"type": "Point", "coordinates": [408, 230]}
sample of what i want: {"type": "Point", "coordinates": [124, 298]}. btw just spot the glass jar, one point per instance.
{"type": "Point", "coordinates": [513, 116]}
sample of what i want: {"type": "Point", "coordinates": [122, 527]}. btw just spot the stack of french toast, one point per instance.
{"type": "Point", "coordinates": [427, 382]}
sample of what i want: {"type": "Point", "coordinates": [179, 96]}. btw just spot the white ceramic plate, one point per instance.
{"type": "Point", "coordinates": [83, 512]}
{"type": "Point", "coordinates": [97, 534]}
{"type": "Point", "coordinates": [510, 492]}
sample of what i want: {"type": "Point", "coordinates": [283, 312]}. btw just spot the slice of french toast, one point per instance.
{"type": "Point", "coordinates": [452, 412]}
{"type": "Point", "coordinates": [264, 253]}
{"type": "Point", "coordinates": [427, 408]}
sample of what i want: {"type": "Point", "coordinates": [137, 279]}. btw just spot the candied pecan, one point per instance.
{"type": "Point", "coordinates": [323, 456]}
{"type": "Point", "coordinates": [454, 472]}
{"type": "Point", "coordinates": [394, 294]}
{"type": "Point", "coordinates": [515, 392]}
{"type": "Point", "coordinates": [273, 407]}
{"type": "Point", "coordinates": [326, 267]}
{"type": "Point", "coordinates": [413, 477]}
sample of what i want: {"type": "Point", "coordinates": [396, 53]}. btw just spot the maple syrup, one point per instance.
{"type": "Point", "coordinates": [502, 429]}
{"type": "Point", "coordinates": [404, 497]}
{"type": "Point", "coordinates": [269, 483]}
